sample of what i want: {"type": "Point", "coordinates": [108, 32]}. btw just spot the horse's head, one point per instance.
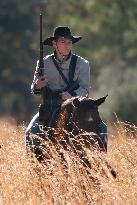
{"type": "Point", "coordinates": [84, 113]}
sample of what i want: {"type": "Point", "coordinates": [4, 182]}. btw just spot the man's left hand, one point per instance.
{"type": "Point", "coordinates": [65, 95]}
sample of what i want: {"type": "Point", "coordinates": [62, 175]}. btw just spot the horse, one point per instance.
{"type": "Point", "coordinates": [76, 124]}
{"type": "Point", "coordinates": [81, 117]}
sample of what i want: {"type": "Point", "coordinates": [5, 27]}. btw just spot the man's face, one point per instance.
{"type": "Point", "coordinates": [64, 45]}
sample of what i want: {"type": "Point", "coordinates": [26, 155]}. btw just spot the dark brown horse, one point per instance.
{"type": "Point", "coordinates": [75, 126]}
{"type": "Point", "coordinates": [81, 118]}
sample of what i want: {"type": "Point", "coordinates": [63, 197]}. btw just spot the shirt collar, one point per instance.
{"type": "Point", "coordinates": [64, 61]}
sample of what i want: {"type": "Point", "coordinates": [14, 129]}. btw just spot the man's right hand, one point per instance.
{"type": "Point", "coordinates": [41, 82]}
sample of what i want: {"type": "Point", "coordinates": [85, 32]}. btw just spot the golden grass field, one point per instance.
{"type": "Point", "coordinates": [24, 181]}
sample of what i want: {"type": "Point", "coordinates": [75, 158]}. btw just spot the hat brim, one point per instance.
{"type": "Point", "coordinates": [49, 40]}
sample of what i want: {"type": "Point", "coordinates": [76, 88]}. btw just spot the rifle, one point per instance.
{"type": "Point", "coordinates": [42, 108]}
{"type": "Point", "coordinates": [41, 61]}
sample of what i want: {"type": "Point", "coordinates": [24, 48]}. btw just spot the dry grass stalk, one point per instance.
{"type": "Point", "coordinates": [23, 180]}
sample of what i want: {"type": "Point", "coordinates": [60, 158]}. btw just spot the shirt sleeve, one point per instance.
{"type": "Point", "coordinates": [83, 78]}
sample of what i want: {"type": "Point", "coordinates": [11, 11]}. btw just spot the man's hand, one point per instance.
{"type": "Point", "coordinates": [65, 95]}
{"type": "Point", "coordinates": [41, 82]}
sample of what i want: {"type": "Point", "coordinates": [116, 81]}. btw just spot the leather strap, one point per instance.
{"type": "Point", "coordinates": [72, 67]}
{"type": "Point", "coordinates": [59, 70]}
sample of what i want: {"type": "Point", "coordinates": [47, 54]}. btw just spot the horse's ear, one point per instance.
{"type": "Point", "coordinates": [100, 100]}
{"type": "Point", "coordinates": [76, 102]}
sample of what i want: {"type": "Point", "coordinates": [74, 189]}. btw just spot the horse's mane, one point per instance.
{"type": "Point", "coordinates": [66, 109]}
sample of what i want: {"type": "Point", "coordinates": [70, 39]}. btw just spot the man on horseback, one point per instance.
{"type": "Point", "coordinates": [62, 42]}
{"type": "Point", "coordinates": [66, 75]}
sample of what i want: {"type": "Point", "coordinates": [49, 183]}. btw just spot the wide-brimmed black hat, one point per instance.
{"type": "Point", "coordinates": [61, 32]}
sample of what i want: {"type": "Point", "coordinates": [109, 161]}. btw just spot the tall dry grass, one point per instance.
{"type": "Point", "coordinates": [26, 181]}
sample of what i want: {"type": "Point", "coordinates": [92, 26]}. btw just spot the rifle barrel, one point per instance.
{"type": "Point", "coordinates": [41, 62]}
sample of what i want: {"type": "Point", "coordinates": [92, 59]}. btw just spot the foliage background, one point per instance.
{"type": "Point", "coordinates": [109, 43]}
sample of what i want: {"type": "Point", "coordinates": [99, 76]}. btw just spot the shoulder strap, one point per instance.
{"type": "Point", "coordinates": [60, 72]}
{"type": "Point", "coordinates": [72, 67]}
